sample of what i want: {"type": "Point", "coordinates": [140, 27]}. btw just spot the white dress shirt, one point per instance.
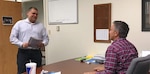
{"type": "Point", "coordinates": [24, 29]}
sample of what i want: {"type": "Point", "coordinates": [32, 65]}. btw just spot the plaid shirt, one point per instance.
{"type": "Point", "coordinates": [118, 57]}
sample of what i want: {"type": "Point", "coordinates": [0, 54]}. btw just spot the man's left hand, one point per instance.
{"type": "Point", "coordinates": [40, 45]}
{"type": "Point", "coordinates": [90, 72]}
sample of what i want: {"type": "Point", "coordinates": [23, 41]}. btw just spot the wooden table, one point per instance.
{"type": "Point", "coordinates": [68, 67]}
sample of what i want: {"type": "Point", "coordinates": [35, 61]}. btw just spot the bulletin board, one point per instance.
{"type": "Point", "coordinates": [102, 22]}
{"type": "Point", "coordinates": [62, 12]}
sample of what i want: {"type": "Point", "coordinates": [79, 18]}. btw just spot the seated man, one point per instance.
{"type": "Point", "coordinates": [120, 53]}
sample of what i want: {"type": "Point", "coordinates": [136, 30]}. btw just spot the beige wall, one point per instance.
{"type": "Point", "coordinates": [36, 3]}
{"type": "Point", "coordinates": [74, 40]}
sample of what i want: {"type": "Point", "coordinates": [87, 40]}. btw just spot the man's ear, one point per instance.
{"type": "Point", "coordinates": [27, 13]}
{"type": "Point", "coordinates": [116, 33]}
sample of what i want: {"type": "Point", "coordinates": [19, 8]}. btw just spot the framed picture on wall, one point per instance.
{"type": "Point", "coordinates": [7, 20]}
{"type": "Point", "coordinates": [145, 15]}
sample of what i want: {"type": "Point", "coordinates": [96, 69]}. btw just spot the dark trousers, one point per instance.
{"type": "Point", "coordinates": [25, 55]}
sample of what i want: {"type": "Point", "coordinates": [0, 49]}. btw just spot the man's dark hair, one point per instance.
{"type": "Point", "coordinates": [32, 8]}
{"type": "Point", "coordinates": [122, 28]}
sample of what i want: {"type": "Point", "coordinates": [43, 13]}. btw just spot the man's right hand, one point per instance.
{"type": "Point", "coordinates": [99, 68]}
{"type": "Point", "coordinates": [25, 45]}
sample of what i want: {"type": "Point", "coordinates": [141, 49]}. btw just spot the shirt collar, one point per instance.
{"type": "Point", "coordinates": [27, 20]}
{"type": "Point", "coordinates": [119, 39]}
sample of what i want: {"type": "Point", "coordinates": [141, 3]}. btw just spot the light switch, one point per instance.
{"type": "Point", "coordinates": [58, 28]}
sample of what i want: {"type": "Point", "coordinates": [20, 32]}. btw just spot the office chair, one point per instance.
{"type": "Point", "coordinates": [139, 65]}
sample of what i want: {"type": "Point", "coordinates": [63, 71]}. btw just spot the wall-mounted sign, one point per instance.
{"type": "Point", "coordinates": [7, 20]}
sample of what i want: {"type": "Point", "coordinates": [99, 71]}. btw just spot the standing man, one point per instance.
{"type": "Point", "coordinates": [21, 32]}
{"type": "Point", "coordinates": [120, 53]}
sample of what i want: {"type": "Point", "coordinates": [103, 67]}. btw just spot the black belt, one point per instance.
{"type": "Point", "coordinates": [29, 48]}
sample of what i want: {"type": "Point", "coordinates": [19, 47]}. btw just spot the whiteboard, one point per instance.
{"type": "Point", "coordinates": [62, 11]}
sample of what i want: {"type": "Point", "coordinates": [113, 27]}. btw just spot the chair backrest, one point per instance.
{"type": "Point", "coordinates": [139, 65]}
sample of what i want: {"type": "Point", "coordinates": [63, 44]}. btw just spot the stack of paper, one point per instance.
{"type": "Point", "coordinates": [54, 72]}
{"type": "Point", "coordinates": [98, 56]}
{"type": "Point", "coordinates": [47, 72]}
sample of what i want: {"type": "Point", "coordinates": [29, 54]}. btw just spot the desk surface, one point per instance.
{"type": "Point", "coordinates": [69, 67]}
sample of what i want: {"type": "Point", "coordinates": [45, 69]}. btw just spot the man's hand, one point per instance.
{"type": "Point", "coordinates": [25, 45]}
{"type": "Point", "coordinates": [40, 45]}
{"type": "Point", "coordinates": [99, 68]}
{"type": "Point", "coordinates": [90, 72]}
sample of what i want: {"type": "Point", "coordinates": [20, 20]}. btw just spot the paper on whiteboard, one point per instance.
{"type": "Point", "coordinates": [102, 34]}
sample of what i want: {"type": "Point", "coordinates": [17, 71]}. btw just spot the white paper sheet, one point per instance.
{"type": "Point", "coordinates": [145, 53]}
{"type": "Point", "coordinates": [102, 34]}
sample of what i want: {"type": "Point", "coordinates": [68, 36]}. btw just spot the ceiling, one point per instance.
{"type": "Point", "coordinates": [21, 0]}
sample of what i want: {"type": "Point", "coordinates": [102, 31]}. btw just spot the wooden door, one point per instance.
{"type": "Point", "coordinates": [8, 52]}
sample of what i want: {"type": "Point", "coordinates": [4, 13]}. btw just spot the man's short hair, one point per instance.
{"type": "Point", "coordinates": [32, 8]}
{"type": "Point", "coordinates": [122, 28]}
